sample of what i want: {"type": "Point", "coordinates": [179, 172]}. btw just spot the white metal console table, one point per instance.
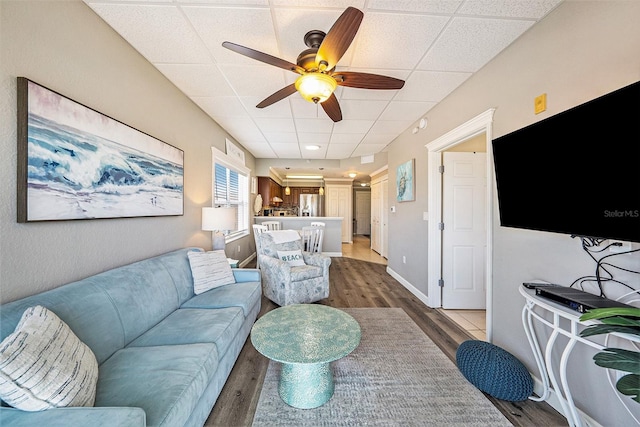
{"type": "Point", "coordinates": [568, 328]}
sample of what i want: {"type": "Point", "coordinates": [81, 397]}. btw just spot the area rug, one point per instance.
{"type": "Point", "coordinates": [396, 377]}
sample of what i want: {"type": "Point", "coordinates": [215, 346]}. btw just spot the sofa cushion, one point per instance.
{"type": "Point", "coordinates": [44, 365]}
{"type": "Point", "coordinates": [165, 381]}
{"type": "Point", "coordinates": [244, 295]}
{"type": "Point", "coordinates": [192, 325]}
{"type": "Point", "coordinates": [210, 270]}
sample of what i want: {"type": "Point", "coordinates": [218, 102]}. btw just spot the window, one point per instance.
{"type": "Point", "coordinates": [231, 188]}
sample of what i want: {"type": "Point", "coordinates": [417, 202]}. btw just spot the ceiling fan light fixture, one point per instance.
{"type": "Point", "coordinates": [316, 87]}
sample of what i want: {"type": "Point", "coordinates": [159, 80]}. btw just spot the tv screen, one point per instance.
{"type": "Point", "coordinates": [577, 172]}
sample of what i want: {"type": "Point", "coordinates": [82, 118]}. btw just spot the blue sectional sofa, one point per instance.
{"type": "Point", "coordinates": [163, 352]}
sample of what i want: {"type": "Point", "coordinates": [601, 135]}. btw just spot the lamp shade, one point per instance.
{"type": "Point", "coordinates": [316, 87]}
{"type": "Point", "coordinates": [218, 219]}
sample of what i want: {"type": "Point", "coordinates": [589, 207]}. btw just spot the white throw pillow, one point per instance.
{"type": "Point", "coordinates": [293, 258]}
{"type": "Point", "coordinates": [209, 270]}
{"type": "Point", "coordinates": [44, 365]}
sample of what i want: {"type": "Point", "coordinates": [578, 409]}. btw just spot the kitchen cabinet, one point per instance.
{"type": "Point", "coordinates": [268, 189]}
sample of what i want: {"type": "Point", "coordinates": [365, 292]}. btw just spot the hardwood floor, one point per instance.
{"type": "Point", "coordinates": [354, 283]}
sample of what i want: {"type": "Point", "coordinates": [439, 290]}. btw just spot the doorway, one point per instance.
{"type": "Point", "coordinates": [480, 125]}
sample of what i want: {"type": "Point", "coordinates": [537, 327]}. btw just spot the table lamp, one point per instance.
{"type": "Point", "coordinates": [218, 220]}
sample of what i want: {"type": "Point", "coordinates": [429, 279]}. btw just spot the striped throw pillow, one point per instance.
{"type": "Point", "coordinates": [44, 365]}
{"type": "Point", "coordinates": [209, 270]}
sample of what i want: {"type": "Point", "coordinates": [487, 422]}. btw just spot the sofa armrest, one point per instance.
{"type": "Point", "coordinates": [317, 259]}
{"type": "Point", "coordinates": [76, 416]}
{"type": "Point", "coordinates": [246, 274]}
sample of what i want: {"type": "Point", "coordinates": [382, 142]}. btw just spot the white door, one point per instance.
{"type": "Point", "coordinates": [375, 217]}
{"type": "Point", "coordinates": [384, 218]}
{"type": "Point", "coordinates": [464, 235]}
{"type": "Point", "coordinates": [338, 201]}
{"type": "Point", "coordinates": [363, 212]}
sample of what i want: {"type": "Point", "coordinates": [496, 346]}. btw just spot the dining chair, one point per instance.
{"type": "Point", "coordinates": [312, 237]}
{"type": "Point", "coordinates": [271, 225]}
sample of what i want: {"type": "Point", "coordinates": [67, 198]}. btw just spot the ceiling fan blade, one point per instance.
{"type": "Point", "coordinates": [332, 108]}
{"type": "Point", "coordinates": [263, 57]}
{"type": "Point", "coordinates": [339, 38]}
{"type": "Point", "coordinates": [279, 95]}
{"type": "Point", "coordinates": [367, 81]}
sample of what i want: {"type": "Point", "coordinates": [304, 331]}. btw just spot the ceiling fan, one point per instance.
{"type": "Point", "coordinates": [316, 66]}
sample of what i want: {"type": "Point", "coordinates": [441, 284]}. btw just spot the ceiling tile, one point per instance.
{"type": "Point", "coordinates": [250, 80]}
{"type": "Point", "coordinates": [197, 79]}
{"type": "Point", "coordinates": [280, 109]}
{"type": "Point", "coordinates": [340, 151]}
{"type": "Point", "coordinates": [281, 137]}
{"type": "Point", "coordinates": [286, 151]}
{"type": "Point", "coordinates": [305, 138]}
{"type": "Point", "coordinates": [365, 149]}
{"type": "Point", "coordinates": [270, 125]}
{"type": "Point", "coordinates": [145, 27]}
{"type": "Point", "coordinates": [340, 4]}
{"type": "Point", "coordinates": [346, 138]}
{"type": "Point", "coordinates": [535, 9]}
{"type": "Point", "coordinates": [221, 106]}
{"type": "Point", "coordinates": [430, 86]}
{"type": "Point", "coordinates": [379, 138]}
{"type": "Point", "coordinates": [395, 40]}
{"type": "Point", "coordinates": [323, 126]}
{"type": "Point", "coordinates": [402, 110]}
{"type": "Point", "coordinates": [348, 126]}
{"type": "Point", "coordinates": [425, 6]}
{"type": "Point", "coordinates": [469, 43]}
{"type": "Point", "coordinates": [391, 126]}
{"type": "Point", "coordinates": [362, 110]}
{"type": "Point", "coordinates": [250, 27]}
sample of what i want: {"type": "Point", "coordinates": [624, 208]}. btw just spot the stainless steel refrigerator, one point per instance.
{"type": "Point", "coordinates": [311, 205]}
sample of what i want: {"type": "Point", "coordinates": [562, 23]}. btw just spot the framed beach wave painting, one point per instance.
{"type": "Point", "coordinates": [77, 163]}
{"type": "Point", "coordinates": [405, 185]}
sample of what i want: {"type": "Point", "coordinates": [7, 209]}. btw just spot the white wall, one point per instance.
{"type": "Point", "coordinates": [64, 46]}
{"type": "Point", "coordinates": [582, 50]}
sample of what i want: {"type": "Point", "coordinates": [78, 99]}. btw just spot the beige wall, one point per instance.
{"type": "Point", "coordinates": [582, 50]}
{"type": "Point", "coordinates": [64, 46]}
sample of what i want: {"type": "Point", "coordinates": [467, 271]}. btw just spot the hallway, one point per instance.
{"type": "Point", "coordinates": [361, 249]}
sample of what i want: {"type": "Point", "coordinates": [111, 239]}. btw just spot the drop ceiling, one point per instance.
{"type": "Point", "coordinates": [434, 45]}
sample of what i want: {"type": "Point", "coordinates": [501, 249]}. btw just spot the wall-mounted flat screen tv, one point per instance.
{"type": "Point", "coordinates": [577, 172]}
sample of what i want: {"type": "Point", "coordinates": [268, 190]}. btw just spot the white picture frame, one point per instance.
{"type": "Point", "coordinates": [234, 151]}
{"type": "Point", "coordinates": [254, 185]}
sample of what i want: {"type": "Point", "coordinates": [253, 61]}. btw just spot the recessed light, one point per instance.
{"type": "Point", "coordinates": [312, 147]}
{"type": "Point", "coordinates": [423, 123]}
{"type": "Point", "coordinates": [415, 130]}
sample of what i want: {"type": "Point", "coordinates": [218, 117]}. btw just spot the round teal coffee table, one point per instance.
{"type": "Point", "coordinates": [305, 338]}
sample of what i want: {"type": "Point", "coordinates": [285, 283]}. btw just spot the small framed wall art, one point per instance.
{"type": "Point", "coordinates": [77, 163]}
{"type": "Point", "coordinates": [405, 186]}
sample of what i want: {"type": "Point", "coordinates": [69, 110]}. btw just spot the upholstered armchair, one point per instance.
{"type": "Point", "coordinates": [286, 284]}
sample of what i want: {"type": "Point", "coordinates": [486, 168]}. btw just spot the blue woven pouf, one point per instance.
{"type": "Point", "coordinates": [494, 370]}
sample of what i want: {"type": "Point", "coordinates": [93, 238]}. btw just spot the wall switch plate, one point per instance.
{"type": "Point", "coordinates": [540, 103]}
{"type": "Point", "coordinates": [393, 209]}
{"type": "Point", "coordinates": [425, 216]}
{"type": "Point", "coordinates": [404, 259]}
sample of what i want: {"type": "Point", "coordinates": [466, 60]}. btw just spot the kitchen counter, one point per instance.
{"type": "Point", "coordinates": [332, 241]}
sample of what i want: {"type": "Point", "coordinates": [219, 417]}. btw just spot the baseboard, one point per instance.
{"type": "Point", "coordinates": [422, 297]}
{"type": "Point", "coordinates": [554, 402]}
{"type": "Point", "coordinates": [247, 260]}
{"type": "Point", "coordinates": [333, 254]}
